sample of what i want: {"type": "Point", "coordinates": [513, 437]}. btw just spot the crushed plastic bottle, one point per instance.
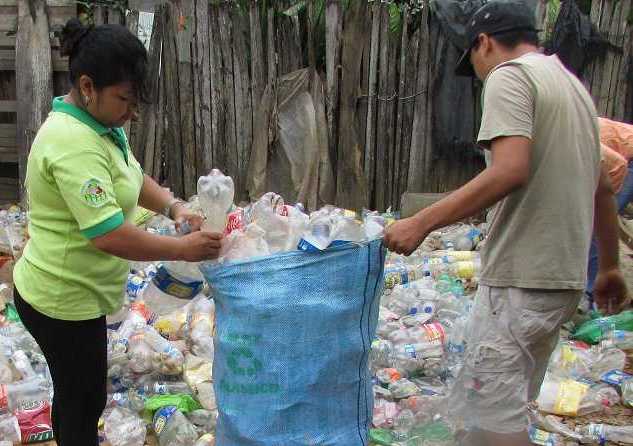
{"type": "Point", "coordinates": [215, 193]}
{"type": "Point", "coordinates": [19, 394]}
{"type": "Point", "coordinates": [601, 433]}
{"type": "Point", "coordinates": [124, 428]}
{"type": "Point", "coordinates": [173, 428]}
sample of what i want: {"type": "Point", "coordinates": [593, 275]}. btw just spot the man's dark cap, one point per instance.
{"type": "Point", "coordinates": [495, 17]}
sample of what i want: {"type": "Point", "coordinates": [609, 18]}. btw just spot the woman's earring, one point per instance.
{"type": "Point", "coordinates": [87, 100]}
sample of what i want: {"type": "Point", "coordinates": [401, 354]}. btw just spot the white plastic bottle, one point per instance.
{"type": "Point", "coordinates": [21, 393]}
{"type": "Point", "coordinates": [601, 433]}
{"type": "Point", "coordinates": [173, 428]}
{"type": "Point", "coordinates": [215, 192]}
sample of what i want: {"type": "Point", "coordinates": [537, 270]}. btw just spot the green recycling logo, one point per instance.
{"type": "Point", "coordinates": [242, 362]}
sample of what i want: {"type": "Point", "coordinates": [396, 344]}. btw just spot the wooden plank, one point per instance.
{"type": "Point", "coordinates": [202, 84]}
{"type": "Point", "coordinates": [399, 129]}
{"type": "Point", "coordinates": [372, 101]}
{"type": "Point", "coordinates": [8, 61]}
{"type": "Point", "coordinates": [228, 93]}
{"type": "Point", "coordinates": [416, 175]}
{"type": "Point", "coordinates": [131, 22]}
{"type": "Point", "coordinates": [99, 15]}
{"type": "Point", "coordinates": [216, 80]}
{"type": "Point", "coordinates": [619, 81]}
{"type": "Point", "coordinates": [412, 203]}
{"type": "Point", "coordinates": [258, 69]}
{"type": "Point", "coordinates": [144, 143]}
{"type": "Point", "coordinates": [161, 123]}
{"type": "Point", "coordinates": [272, 52]}
{"type": "Point", "coordinates": [52, 4]}
{"type": "Point", "coordinates": [312, 18]}
{"type": "Point", "coordinates": [243, 100]}
{"type": "Point", "coordinates": [184, 43]}
{"type": "Point", "coordinates": [114, 16]}
{"type": "Point", "coordinates": [57, 16]}
{"type": "Point", "coordinates": [8, 106]}
{"type": "Point", "coordinates": [334, 30]}
{"type": "Point", "coordinates": [172, 132]}
{"type": "Point", "coordinates": [609, 14]}
{"type": "Point", "coordinates": [34, 88]}
{"type": "Point", "coordinates": [351, 187]}
{"type": "Point", "coordinates": [409, 107]}
{"type": "Point", "coordinates": [384, 93]}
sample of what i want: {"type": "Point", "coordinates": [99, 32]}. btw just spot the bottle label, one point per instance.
{"type": "Point", "coordinates": [410, 350]}
{"type": "Point", "coordinates": [4, 397]}
{"type": "Point", "coordinates": [596, 432]}
{"type": "Point", "coordinates": [466, 270]}
{"type": "Point", "coordinates": [234, 222]}
{"type": "Point", "coordinates": [174, 287]}
{"type": "Point", "coordinates": [161, 418]}
{"type": "Point", "coordinates": [570, 394]}
{"type": "Point", "coordinates": [434, 332]}
{"type": "Point", "coordinates": [540, 437]}
{"type": "Point", "coordinates": [615, 377]}
{"type": "Point", "coordinates": [160, 389]}
{"type": "Point", "coordinates": [135, 285]}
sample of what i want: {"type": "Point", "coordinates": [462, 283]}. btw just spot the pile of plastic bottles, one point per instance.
{"type": "Point", "coordinates": [420, 345]}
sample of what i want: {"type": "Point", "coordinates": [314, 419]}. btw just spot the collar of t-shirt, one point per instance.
{"type": "Point", "coordinates": [116, 134]}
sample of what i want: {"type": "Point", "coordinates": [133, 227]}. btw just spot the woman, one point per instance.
{"type": "Point", "coordinates": [83, 185]}
{"type": "Point", "coordinates": [616, 140]}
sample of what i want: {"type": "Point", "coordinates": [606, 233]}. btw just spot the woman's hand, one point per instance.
{"type": "Point", "coordinates": [184, 218]}
{"type": "Point", "coordinates": [199, 246]}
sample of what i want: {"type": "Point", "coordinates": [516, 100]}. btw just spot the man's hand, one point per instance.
{"type": "Point", "coordinates": [404, 236]}
{"type": "Point", "coordinates": [609, 291]}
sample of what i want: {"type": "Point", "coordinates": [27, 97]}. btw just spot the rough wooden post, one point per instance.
{"type": "Point", "coordinates": [34, 77]}
{"type": "Point", "coordinates": [395, 198]}
{"type": "Point", "coordinates": [421, 118]}
{"type": "Point", "coordinates": [258, 70]}
{"type": "Point", "coordinates": [202, 89]}
{"type": "Point", "coordinates": [272, 52]}
{"type": "Point", "coordinates": [334, 30]}
{"type": "Point", "coordinates": [243, 100]}
{"type": "Point", "coordinates": [226, 45]}
{"type": "Point", "coordinates": [98, 15]}
{"type": "Point", "coordinates": [351, 185]}
{"type": "Point", "coordinates": [311, 29]}
{"type": "Point", "coordinates": [385, 102]}
{"type": "Point", "coordinates": [184, 42]}
{"type": "Point", "coordinates": [143, 140]}
{"type": "Point", "coordinates": [131, 22]}
{"type": "Point", "coordinates": [218, 114]}
{"type": "Point", "coordinates": [372, 101]}
{"type": "Point", "coordinates": [172, 132]}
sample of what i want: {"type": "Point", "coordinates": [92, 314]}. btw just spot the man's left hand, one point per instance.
{"type": "Point", "coordinates": [404, 236]}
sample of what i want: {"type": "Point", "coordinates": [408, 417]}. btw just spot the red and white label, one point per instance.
{"type": "Point", "coordinates": [234, 221]}
{"type": "Point", "coordinates": [434, 331]}
{"type": "Point", "coordinates": [4, 399]}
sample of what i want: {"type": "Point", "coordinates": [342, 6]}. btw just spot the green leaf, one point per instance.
{"type": "Point", "coordinates": [294, 10]}
{"type": "Point", "coordinates": [395, 18]}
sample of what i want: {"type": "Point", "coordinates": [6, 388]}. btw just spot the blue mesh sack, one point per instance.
{"type": "Point", "coordinates": [293, 334]}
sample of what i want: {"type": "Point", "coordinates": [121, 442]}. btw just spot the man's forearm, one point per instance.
{"type": "Point", "coordinates": [476, 196]}
{"type": "Point", "coordinates": [606, 224]}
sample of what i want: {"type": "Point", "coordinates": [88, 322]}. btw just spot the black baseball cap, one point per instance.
{"type": "Point", "coordinates": [495, 17]}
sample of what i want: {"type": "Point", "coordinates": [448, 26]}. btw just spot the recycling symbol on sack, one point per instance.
{"type": "Point", "coordinates": [242, 361]}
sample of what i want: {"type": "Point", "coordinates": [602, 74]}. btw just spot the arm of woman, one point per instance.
{"type": "Point", "coordinates": [132, 243]}
{"type": "Point", "coordinates": [157, 199]}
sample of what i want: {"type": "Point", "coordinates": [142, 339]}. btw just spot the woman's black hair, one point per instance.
{"type": "Point", "coordinates": [108, 54]}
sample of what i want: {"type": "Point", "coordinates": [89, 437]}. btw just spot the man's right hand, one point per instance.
{"type": "Point", "coordinates": [200, 245]}
{"type": "Point", "coordinates": [610, 292]}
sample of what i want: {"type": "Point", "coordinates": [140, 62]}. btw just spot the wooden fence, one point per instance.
{"type": "Point", "coordinates": [398, 119]}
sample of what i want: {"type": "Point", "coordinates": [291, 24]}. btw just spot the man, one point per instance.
{"type": "Point", "coordinates": [539, 124]}
{"type": "Point", "coordinates": [616, 139]}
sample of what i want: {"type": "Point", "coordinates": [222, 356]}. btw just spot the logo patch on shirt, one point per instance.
{"type": "Point", "coordinates": [93, 193]}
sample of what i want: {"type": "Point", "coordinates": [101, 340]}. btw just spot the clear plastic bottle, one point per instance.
{"type": "Point", "coordinates": [9, 429]}
{"type": "Point", "coordinates": [206, 440]}
{"type": "Point", "coordinates": [170, 359]}
{"type": "Point", "coordinates": [124, 428]}
{"type": "Point", "coordinates": [25, 392]}
{"type": "Point", "coordinates": [601, 433]}
{"type": "Point", "coordinates": [166, 388]}
{"type": "Point", "coordinates": [627, 392]}
{"type": "Point", "coordinates": [216, 192]}
{"type": "Point", "coordinates": [173, 428]}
